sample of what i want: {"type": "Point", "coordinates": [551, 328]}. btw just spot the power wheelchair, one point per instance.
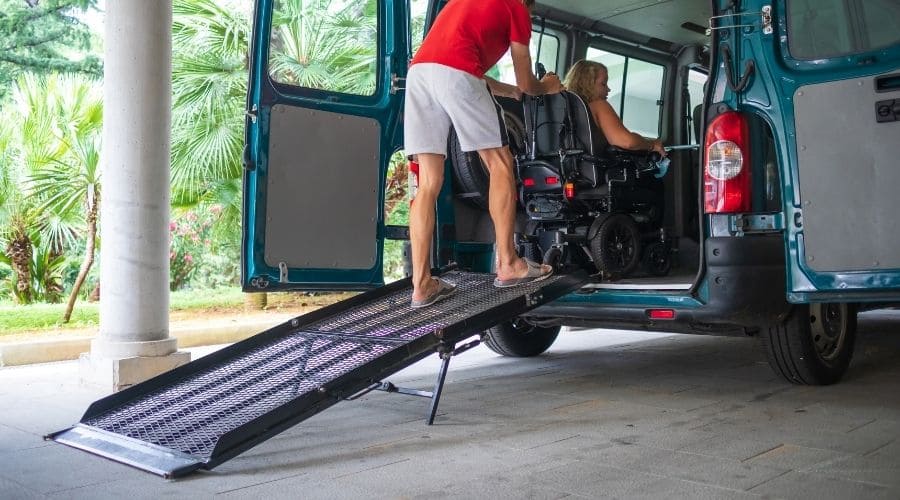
{"type": "Point", "coordinates": [588, 204]}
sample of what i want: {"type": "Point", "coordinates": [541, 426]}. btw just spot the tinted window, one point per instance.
{"type": "Point", "coordinates": [827, 28]}
{"type": "Point", "coordinates": [503, 70]}
{"type": "Point", "coordinates": [327, 45]}
{"type": "Point", "coordinates": [635, 90]}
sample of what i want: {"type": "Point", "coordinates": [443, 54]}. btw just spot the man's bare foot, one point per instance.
{"type": "Point", "coordinates": [436, 289]}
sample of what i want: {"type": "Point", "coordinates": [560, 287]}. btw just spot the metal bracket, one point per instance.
{"type": "Point", "coordinates": [398, 83]}
{"type": "Point", "coordinates": [253, 113]}
{"type": "Point", "coordinates": [765, 20]}
{"type": "Point", "coordinates": [742, 224]}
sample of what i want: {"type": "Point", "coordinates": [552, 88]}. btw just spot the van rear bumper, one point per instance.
{"type": "Point", "coordinates": [744, 283]}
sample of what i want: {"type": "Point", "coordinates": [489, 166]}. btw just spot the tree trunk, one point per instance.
{"type": "Point", "coordinates": [86, 263]}
{"type": "Point", "coordinates": [256, 301]}
{"type": "Point", "coordinates": [19, 251]}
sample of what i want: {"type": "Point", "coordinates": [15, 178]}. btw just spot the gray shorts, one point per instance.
{"type": "Point", "coordinates": [438, 97]}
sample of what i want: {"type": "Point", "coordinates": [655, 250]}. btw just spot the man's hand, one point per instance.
{"type": "Point", "coordinates": [551, 84]}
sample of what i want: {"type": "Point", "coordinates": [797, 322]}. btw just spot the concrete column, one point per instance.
{"type": "Point", "coordinates": [134, 344]}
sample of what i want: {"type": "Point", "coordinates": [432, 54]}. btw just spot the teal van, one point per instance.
{"type": "Point", "coordinates": [781, 212]}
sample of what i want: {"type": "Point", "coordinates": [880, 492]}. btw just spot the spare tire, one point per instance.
{"type": "Point", "coordinates": [470, 177]}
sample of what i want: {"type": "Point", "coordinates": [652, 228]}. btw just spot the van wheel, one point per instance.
{"type": "Point", "coordinates": [520, 339]}
{"type": "Point", "coordinates": [470, 176]}
{"type": "Point", "coordinates": [814, 345]}
{"type": "Point", "coordinates": [616, 248]}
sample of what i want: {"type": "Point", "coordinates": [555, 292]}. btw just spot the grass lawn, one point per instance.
{"type": "Point", "coordinates": [39, 319]}
{"type": "Point", "coordinates": [19, 318]}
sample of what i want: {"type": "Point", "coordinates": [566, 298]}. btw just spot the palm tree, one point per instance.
{"type": "Point", "coordinates": [57, 188]}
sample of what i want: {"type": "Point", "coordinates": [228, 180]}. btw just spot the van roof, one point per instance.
{"type": "Point", "coordinates": [667, 25]}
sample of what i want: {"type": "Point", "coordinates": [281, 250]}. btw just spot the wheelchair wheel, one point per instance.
{"type": "Point", "coordinates": [470, 177]}
{"type": "Point", "coordinates": [656, 260]}
{"type": "Point", "coordinates": [616, 248]}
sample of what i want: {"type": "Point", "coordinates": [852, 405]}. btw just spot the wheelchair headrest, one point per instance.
{"type": "Point", "coordinates": [561, 121]}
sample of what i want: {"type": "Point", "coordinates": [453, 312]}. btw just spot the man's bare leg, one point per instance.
{"type": "Point", "coordinates": [422, 220]}
{"type": "Point", "coordinates": [502, 205]}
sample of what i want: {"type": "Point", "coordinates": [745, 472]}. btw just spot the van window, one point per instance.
{"type": "Point", "coordinates": [503, 70]}
{"type": "Point", "coordinates": [828, 28]}
{"type": "Point", "coordinates": [635, 90]}
{"type": "Point", "coordinates": [330, 45]}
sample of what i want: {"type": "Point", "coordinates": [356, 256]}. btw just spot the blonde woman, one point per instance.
{"type": "Point", "coordinates": [590, 80]}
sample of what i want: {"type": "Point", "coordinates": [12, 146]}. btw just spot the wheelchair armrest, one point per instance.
{"type": "Point", "coordinates": [615, 152]}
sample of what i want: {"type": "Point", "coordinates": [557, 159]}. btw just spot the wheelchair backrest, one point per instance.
{"type": "Point", "coordinates": [560, 121]}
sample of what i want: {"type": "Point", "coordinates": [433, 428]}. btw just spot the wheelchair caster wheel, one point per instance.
{"type": "Point", "coordinates": [656, 260]}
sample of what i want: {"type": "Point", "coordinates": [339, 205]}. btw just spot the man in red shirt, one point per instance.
{"type": "Point", "coordinates": [446, 85]}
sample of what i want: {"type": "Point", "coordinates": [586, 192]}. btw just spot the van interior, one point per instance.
{"type": "Point", "coordinates": [657, 55]}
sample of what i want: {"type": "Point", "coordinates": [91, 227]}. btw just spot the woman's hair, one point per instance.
{"type": "Point", "coordinates": [528, 3]}
{"type": "Point", "coordinates": [582, 79]}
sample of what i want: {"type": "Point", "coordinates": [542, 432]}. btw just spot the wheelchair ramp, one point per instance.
{"type": "Point", "coordinates": [212, 409]}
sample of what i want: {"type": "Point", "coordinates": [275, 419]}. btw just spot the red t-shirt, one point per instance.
{"type": "Point", "coordinates": [472, 35]}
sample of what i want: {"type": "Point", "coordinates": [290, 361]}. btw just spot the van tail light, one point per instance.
{"type": "Point", "coordinates": [528, 182]}
{"type": "Point", "coordinates": [726, 173]}
{"type": "Point", "coordinates": [569, 190]}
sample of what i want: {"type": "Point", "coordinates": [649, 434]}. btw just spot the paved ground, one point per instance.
{"type": "Point", "coordinates": [603, 414]}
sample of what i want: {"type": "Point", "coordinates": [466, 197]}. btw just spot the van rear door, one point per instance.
{"type": "Point", "coordinates": [835, 68]}
{"type": "Point", "coordinates": [323, 119]}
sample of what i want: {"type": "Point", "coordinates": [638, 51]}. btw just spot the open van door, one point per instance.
{"type": "Point", "coordinates": [323, 120]}
{"type": "Point", "coordinates": [838, 71]}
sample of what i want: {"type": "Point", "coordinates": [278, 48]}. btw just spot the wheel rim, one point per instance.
{"type": "Point", "coordinates": [828, 328]}
{"type": "Point", "coordinates": [620, 247]}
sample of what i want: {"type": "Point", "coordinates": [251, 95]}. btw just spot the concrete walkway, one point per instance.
{"type": "Point", "coordinates": [603, 414]}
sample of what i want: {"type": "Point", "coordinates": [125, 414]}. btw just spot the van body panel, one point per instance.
{"type": "Point", "coordinates": [836, 173]}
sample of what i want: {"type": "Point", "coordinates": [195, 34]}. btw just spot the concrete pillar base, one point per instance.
{"type": "Point", "coordinates": [118, 374]}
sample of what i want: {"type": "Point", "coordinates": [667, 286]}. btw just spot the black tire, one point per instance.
{"type": "Point", "coordinates": [814, 345]}
{"type": "Point", "coordinates": [520, 339]}
{"type": "Point", "coordinates": [656, 260]}
{"type": "Point", "coordinates": [471, 179]}
{"type": "Point", "coordinates": [616, 248]}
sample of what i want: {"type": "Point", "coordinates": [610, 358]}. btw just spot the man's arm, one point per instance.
{"type": "Point", "coordinates": [525, 80]}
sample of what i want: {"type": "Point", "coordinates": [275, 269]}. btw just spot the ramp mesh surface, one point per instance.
{"type": "Point", "coordinates": [191, 414]}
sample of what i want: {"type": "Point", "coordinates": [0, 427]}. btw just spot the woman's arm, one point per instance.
{"type": "Point", "coordinates": [616, 133]}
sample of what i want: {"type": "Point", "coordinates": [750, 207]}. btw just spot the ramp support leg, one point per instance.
{"type": "Point", "coordinates": [445, 351]}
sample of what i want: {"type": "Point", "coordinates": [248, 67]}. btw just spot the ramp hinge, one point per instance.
{"type": "Point", "coordinates": [765, 21]}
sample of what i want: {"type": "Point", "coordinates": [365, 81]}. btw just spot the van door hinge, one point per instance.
{"type": "Point", "coordinates": [765, 21]}
{"type": "Point", "coordinates": [282, 272]}
{"type": "Point", "coordinates": [397, 83]}
{"type": "Point", "coordinates": [253, 113]}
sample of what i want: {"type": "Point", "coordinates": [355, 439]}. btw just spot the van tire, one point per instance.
{"type": "Point", "coordinates": [520, 339]}
{"type": "Point", "coordinates": [814, 345]}
{"type": "Point", "coordinates": [470, 176]}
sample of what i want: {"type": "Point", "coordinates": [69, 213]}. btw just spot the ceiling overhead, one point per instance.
{"type": "Point", "coordinates": [645, 19]}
